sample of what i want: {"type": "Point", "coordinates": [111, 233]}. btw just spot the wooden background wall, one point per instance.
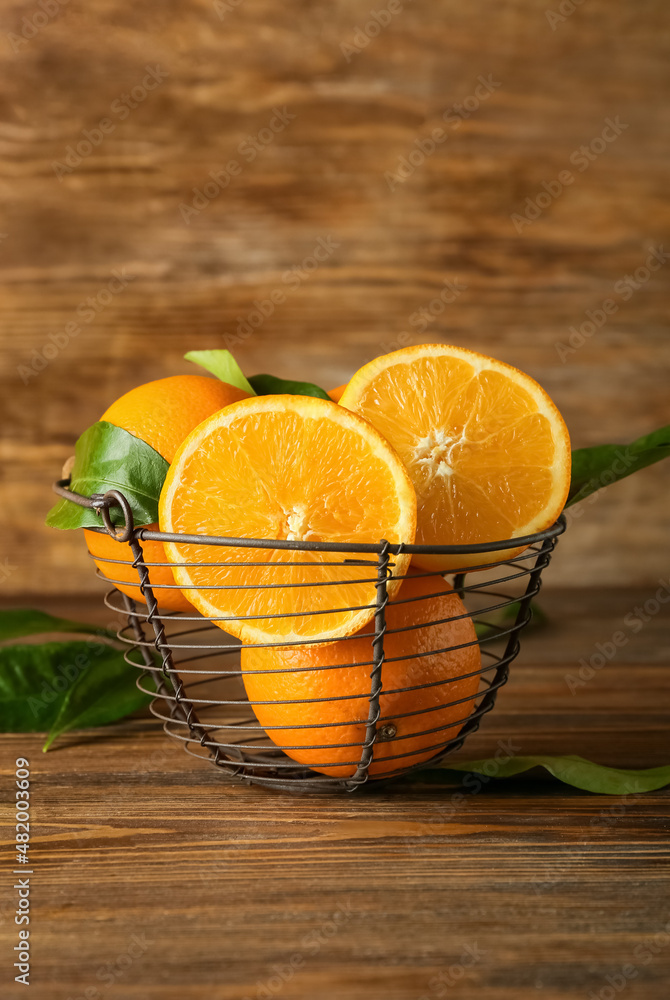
{"type": "Point", "coordinates": [356, 113]}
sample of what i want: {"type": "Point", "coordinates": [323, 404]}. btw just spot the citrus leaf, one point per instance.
{"type": "Point", "coordinates": [29, 700]}
{"type": "Point", "coordinates": [594, 468]}
{"type": "Point", "coordinates": [571, 770]}
{"type": "Point", "coordinates": [19, 622]}
{"type": "Point", "coordinates": [270, 385]}
{"type": "Point", "coordinates": [60, 685]}
{"type": "Point", "coordinates": [222, 364]}
{"type": "Point", "coordinates": [109, 458]}
{"type": "Point", "coordinates": [104, 693]}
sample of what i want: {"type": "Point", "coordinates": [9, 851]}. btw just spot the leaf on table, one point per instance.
{"type": "Point", "coordinates": [571, 770]}
{"type": "Point", "coordinates": [595, 468]}
{"type": "Point", "coordinates": [16, 623]}
{"type": "Point", "coordinates": [107, 691]}
{"type": "Point", "coordinates": [222, 364]}
{"type": "Point", "coordinates": [109, 458]}
{"type": "Point", "coordinates": [28, 696]}
{"type": "Point", "coordinates": [58, 686]}
{"type": "Point", "coordinates": [270, 385]}
{"type": "Point", "coordinates": [38, 682]}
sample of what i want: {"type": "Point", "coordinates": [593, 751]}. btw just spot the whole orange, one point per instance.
{"type": "Point", "coordinates": [336, 394]}
{"type": "Point", "coordinates": [162, 413]}
{"type": "Point", "coordinates": [124, 576]}
{"type": "Point", "coordinates": [428, 686]}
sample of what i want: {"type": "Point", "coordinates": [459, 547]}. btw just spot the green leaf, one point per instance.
{"type": "Point", "coordinates": [19, 622]}
{"type": "Point", "coordinates": [58, 686]}
{"type": "Point", "coordinates": [594, 468]}
{"type": "Point", "coordinates": [105, 692]}
{"type": "Point", "coordinates": [270, 385]}
{"type": "Point", "coordinates": [109, 458]}
{"type": "Point", "coordinates": [571, 770]}
{"type": "Point", "coordinates": [222, 364]}
{"type": "Point", "coordinates": [30, 702]}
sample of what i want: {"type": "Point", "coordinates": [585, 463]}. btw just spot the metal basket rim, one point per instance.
{"type": "Point", "coordinates": [98, 502]}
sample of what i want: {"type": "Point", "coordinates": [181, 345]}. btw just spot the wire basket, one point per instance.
{"type": "Point", "coordinates": [193, 672]}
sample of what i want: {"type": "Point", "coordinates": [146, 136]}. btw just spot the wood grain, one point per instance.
{"type": "Point", "coordinates": [323, 176]}
{"type": "Point", "coordinates": [217, 887]}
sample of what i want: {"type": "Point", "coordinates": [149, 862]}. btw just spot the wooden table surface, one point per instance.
{"type": "Point", "coordinates": [156, 878]}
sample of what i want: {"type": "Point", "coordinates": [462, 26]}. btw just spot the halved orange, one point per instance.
{"type": "Point", "coordinates": [285, 467]}
{"type": "Point", "coordinates": [486, 448]}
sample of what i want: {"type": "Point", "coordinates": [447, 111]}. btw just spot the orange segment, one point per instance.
{"type": "Point", "coordinates": [485, 446]}
{"type": "Point", "coordinates": [285, 467]}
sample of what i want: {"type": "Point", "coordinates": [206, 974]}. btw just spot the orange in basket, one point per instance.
{"type": "Point", "coordinates": [293, 468]}
{"type": "Point", "coordinates": [485, 447]}
{"type": "Point", "coordinates": [162, 413]}
{"type": "Point", "coordinates": [124, 575]}
{"type": "Point", "coordinates": [305, 724]}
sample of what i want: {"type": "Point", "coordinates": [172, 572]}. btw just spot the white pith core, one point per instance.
{"type": "Point", "coordinates": [296, 527]}
{"type": "Point", "coordinates": [435, 453]}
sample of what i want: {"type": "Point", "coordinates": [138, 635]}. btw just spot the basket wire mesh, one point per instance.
{"type": "Point", "coordinates": [192, 668]}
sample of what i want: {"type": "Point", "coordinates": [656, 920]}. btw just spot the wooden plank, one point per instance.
{"type": "Point", "coordinates": [392, 886]}
{"type": "Point", "coordinates": [156, 877]}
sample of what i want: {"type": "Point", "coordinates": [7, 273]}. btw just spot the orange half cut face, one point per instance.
{"type": "Point", "coordinates": [293, 468]}
{"type": "Point", "coordinates": [484, 445]}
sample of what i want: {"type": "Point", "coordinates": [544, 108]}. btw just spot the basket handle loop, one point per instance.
{"type": "Point", "coordinates": [114, 498]}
